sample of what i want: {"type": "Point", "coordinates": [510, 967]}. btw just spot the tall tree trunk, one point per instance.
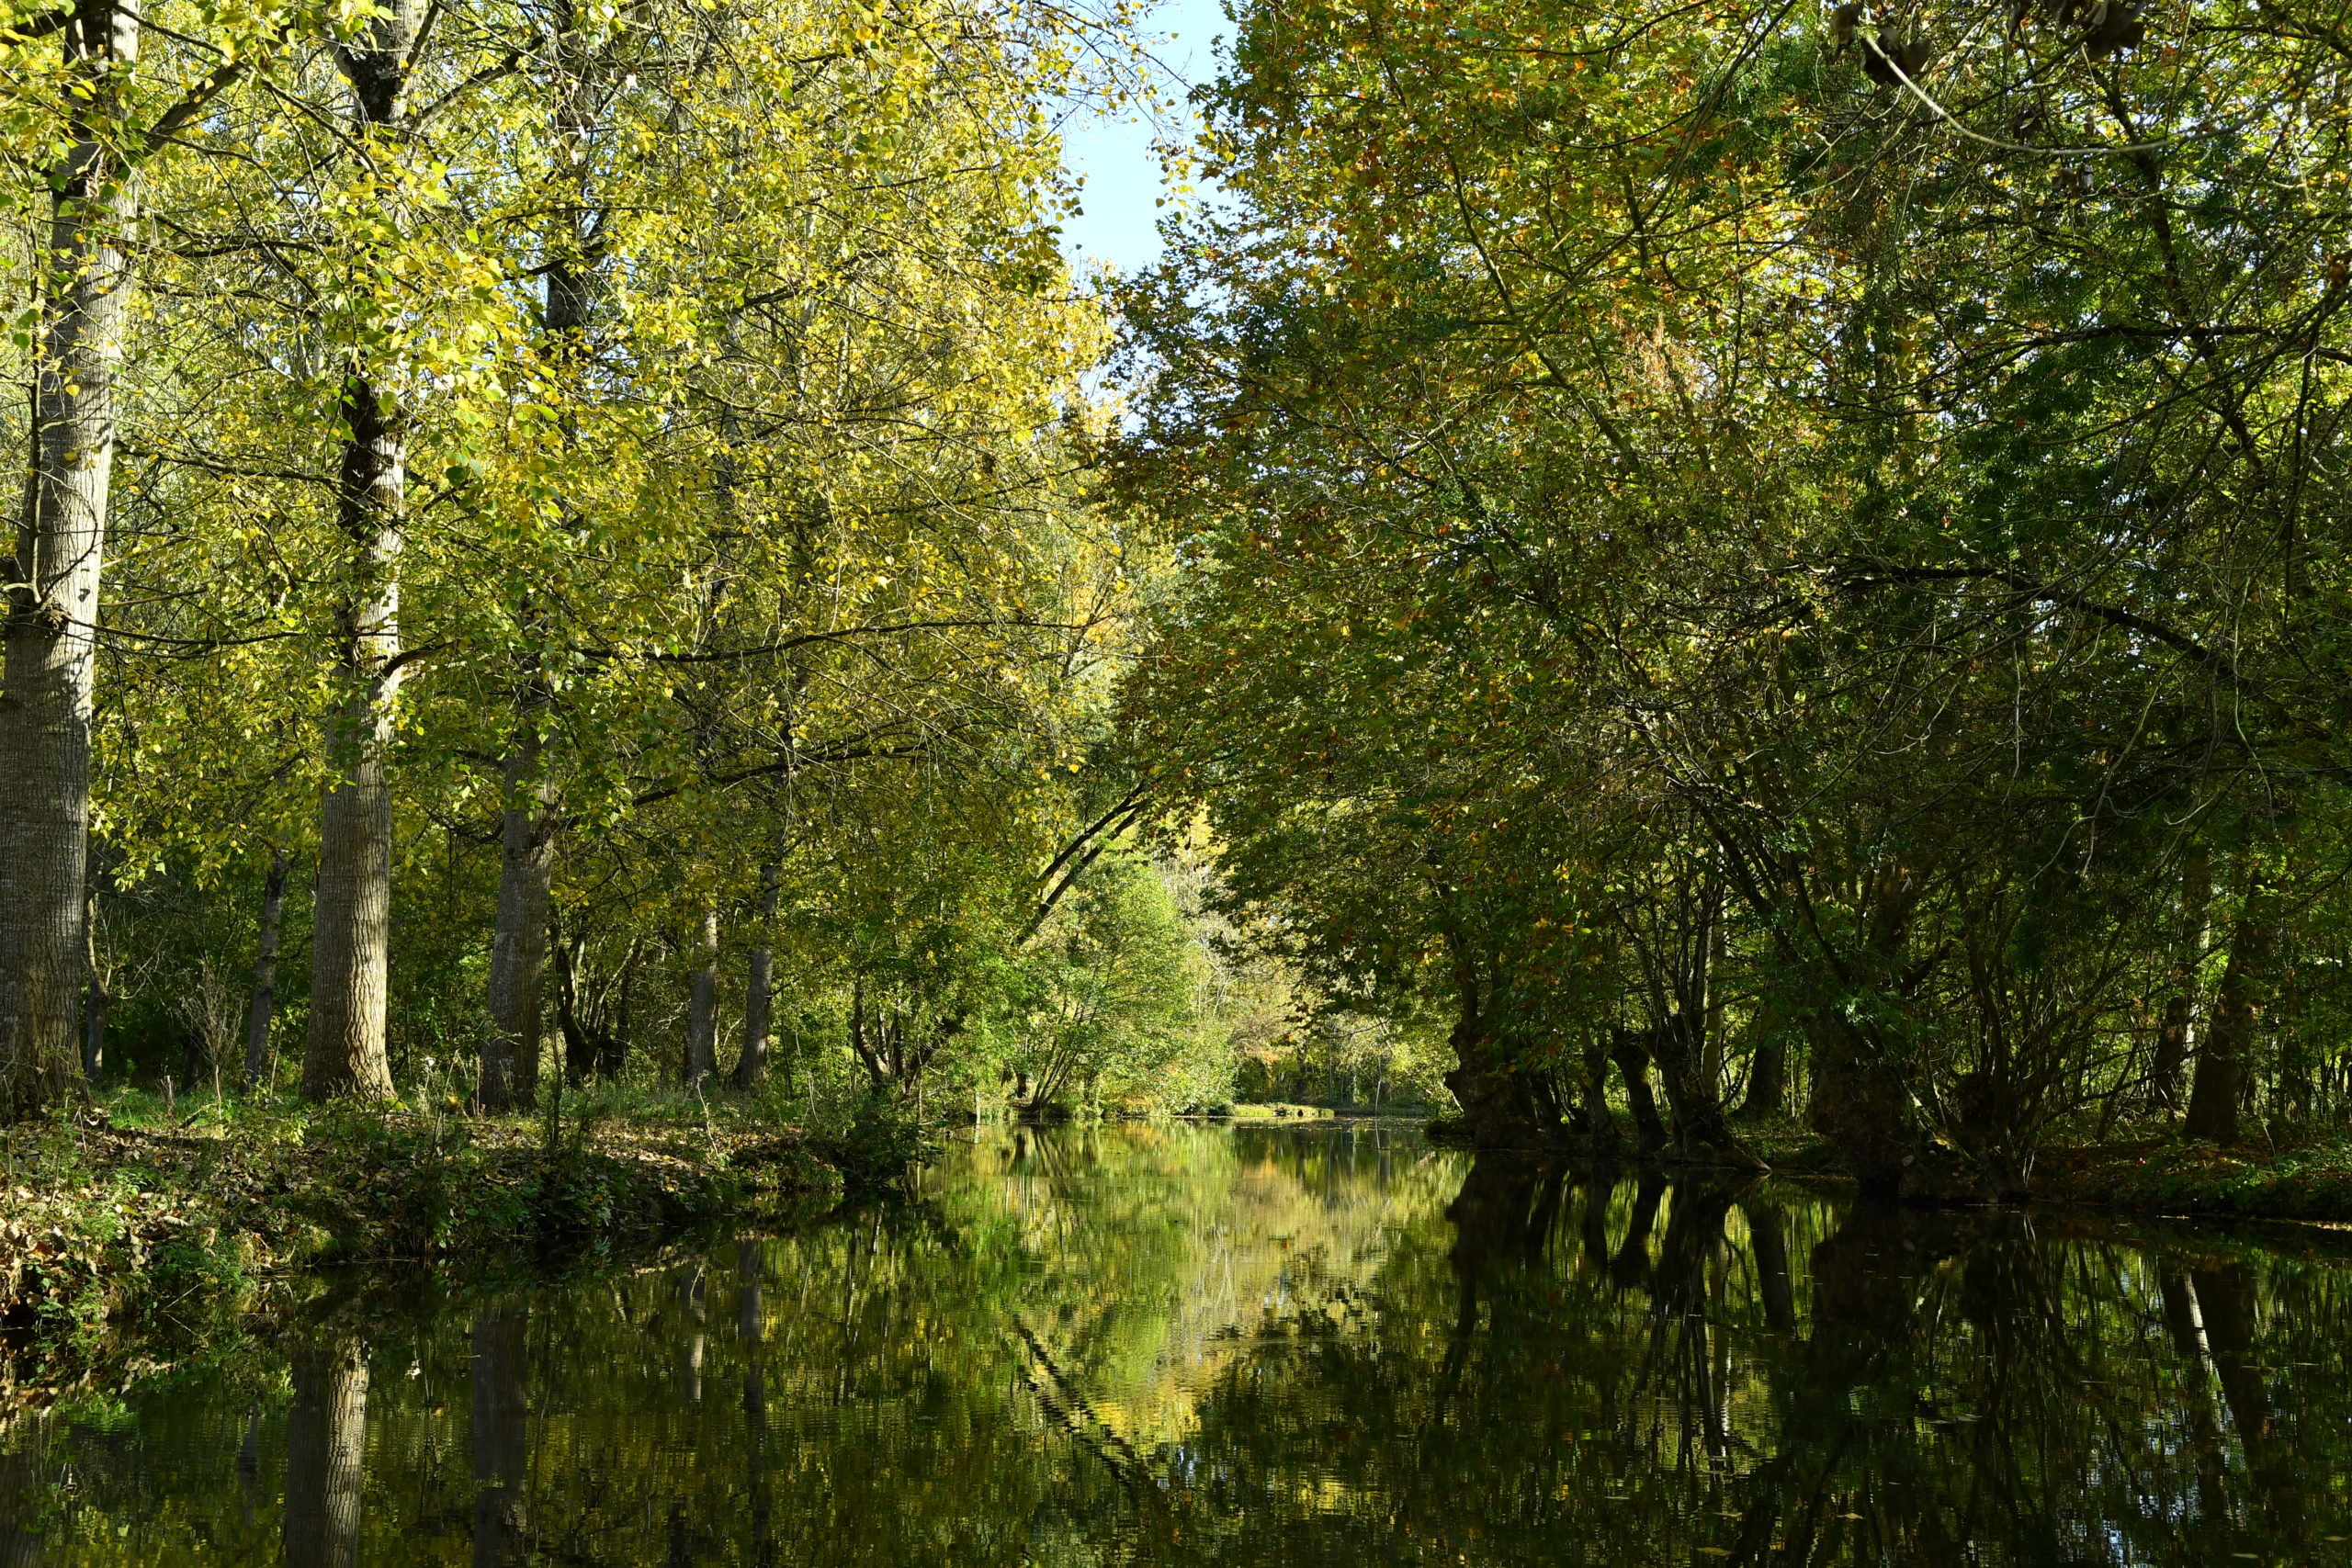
{"type": "Point", "coordinates": [581, 1049]}
{"type": "Point", "coordinates": [702, 1007]}
{"type": "Point", "coordinates": [759, 996]}
{"type": "Point", "coordinates": [265, 997]}
{"type": "Point", "coordinates": [326, 1434]}
{"type": "Point", "coordinates": [1767, 1079]}
{"type": "Point", "coordinates": [50, 623]}
{"type": "Point", "coordinates": [518, 948]}
{"type": "Point", "coordinates": [2222, 1065]}
{"type": "Point", "coordinates": [500, 1422]}
{"type": "Point", "coordinates": [351, 936]}
{"type": "Point", "coordinates": [2175, 1030]}
{"type": "Point", "coordinates": [510, 1063]}
{"type": "Point", "coordinates": [613, 1062]}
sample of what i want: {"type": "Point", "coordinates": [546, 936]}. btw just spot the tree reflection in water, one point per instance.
{"type": "Point", "coordinates": [1298, 1347]}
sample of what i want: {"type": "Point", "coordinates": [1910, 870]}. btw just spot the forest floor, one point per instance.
{"type": "Point", "coordinates": [108, 1227]}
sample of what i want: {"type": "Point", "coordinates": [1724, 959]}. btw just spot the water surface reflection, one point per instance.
{"type": "Point", "coordinates": [1310, 1346]}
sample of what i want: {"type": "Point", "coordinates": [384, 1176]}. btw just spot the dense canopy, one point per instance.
{"type": "Point", "coordinates": [1688, 567]}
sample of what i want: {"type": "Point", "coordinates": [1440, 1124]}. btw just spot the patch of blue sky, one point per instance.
{"type": "Point", "coordinates": [1126, 189]}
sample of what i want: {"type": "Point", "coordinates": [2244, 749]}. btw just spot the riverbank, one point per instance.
{"type": "Point", "coordinates": [124, 1219]}
{"type": "Point", "coordinates": [2311, 1180]}
{"type": "Point", "coordinates": [2153, 1173]}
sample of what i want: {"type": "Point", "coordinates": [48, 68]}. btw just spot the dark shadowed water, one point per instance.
{"type": "Point", "coordinates": [1290, 1346]}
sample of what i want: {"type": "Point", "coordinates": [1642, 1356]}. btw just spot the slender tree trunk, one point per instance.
{"type": "Point", "coordinates": [500, 1422]}
{"type": "Point", "coordinates": [581, 1050]}
{"type": "Point", "coordinates": [351, 938]}
{"type": "Point", "coordinates": [2176, 1031]}
{"type": "Point", "coordinates": [1767, 1079]}
{"type": "Point", "coordinates": [518, 949]}
{"type": "Point", "coordinates": [702, 1006]}
{"type": "Point", "coordinates": [265, 997]}
{"type": "Point", "coordinates": [2222, 1064]}
{"type": "Point", "coordinates": [94, 1016]}
{"type": "Point", "coordinates": [759, 996]}
{"type": "Point", "coordinates": [613, 1062]}
{"type": "Point", "coordinates": [52, 607]}
{"type": "Point", "coordinates": [326, 1434]}
{"type": "Point", "coordinates": [510, 1063]}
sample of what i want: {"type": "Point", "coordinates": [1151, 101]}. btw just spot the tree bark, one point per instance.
{"type": "Point", "coordinates": [1694, 1091]}
{"type": "Point", "coordinates": [500, 1422]}
{"type": "Point", "coordinates": [2222, 1056]}
{"type": "Point", "coordinates": [351, 938]}
{"type": "Point", "coordinates": [510, 1062]}
{"type": "Point", "coordinates": [759, 995]}
{"type": "Point", "coordinates": [1593, 1121]}
{"type": "Point", "coordinates": [265, 996]}
{"type": "Point", "coordinates": [1857, 1103]}
{"type": "Point", "coordinates": [350, 947]}
{"type": "Point", "coordinates": [326, 1434]}
{"type": "Point", "coordinates": [1498, 1105]}
{"type": "Point", "coordinates": [51, 611]}
{"type": "Point", "coordinates": [1630, 1050]}
{"type": "Point", "coordinates": [2175, 1030]}
{"type": "Point", "coordinates": [94, 1018]}
{"type": "Point", "coordinates": [1768, 1080]}
{"type": "Point", "coordinates": [518, 948]}
{"type": "Point", "coordinates": [613, 1062]}
{"type": "Point", "coordinates": [702, 1007]}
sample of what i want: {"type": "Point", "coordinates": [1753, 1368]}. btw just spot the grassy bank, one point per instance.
{"type": "Point", "coordinates": [133, 1217]}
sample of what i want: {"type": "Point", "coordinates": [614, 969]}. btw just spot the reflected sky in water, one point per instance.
{"type": "Point", "coordinates": [1295, 1346]}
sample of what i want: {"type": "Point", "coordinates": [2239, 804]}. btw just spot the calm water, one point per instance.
{"type": "Point", "coordinates": [1293, 1346]}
